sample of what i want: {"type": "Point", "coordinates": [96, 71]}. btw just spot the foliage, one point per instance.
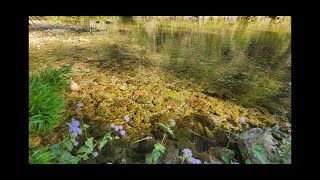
{"type": "Point", "coordinates": [168, 126]}
{"type": "Point", "coordinates": [156, 153]}
{"type": "Point", "coordinates": [46, 105]}
{"type": "Point", "coordinates": [55, 78]}
{"type": "Point", "coordinates": [258, 150]}
{"type": "Point", "coordinates": [62, 151]}
{"type": "Point", "coordinates": [41, 156]}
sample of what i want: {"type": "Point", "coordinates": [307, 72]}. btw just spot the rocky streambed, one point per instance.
{"type": "Point", "coordinates": [117, 77]}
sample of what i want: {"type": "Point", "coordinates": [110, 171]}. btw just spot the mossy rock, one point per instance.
{"type": "Point", "coordinates": [185, 143]}
{"type": "Point", "coordinates": [182, 133]}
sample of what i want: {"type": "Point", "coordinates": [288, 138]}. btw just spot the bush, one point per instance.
{"type": "Point", "coordinates": [46, 103]}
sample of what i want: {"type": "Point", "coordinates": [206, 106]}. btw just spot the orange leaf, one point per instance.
{"type": "Point", "coordinates": [138, 93]}
{"type": "Point", "coordinates": [102, 74]}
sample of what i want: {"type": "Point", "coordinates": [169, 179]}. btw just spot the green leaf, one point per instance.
{"type": "Point", "coordinates": [82, 150]}
{"type": "Point", "coordinates": [85, 126]}
{"type": "Point", "coordinates": [261, 159]}
{"type": "Point", "coordinates": [69, 146]}
{"type": "Point", "coordinates": [65, 158]}
{"type": "Point", "coordinates": [164, 126]}
{"type": "Point", "coordinates": [116, 137]}
{"type": "Point", "coordinates": [102, 143]}
{"type": "Point", "coordinates": [206, 162]}
{"type": "Point", "coordinates": [107, 136]}
{"type": "Point", "coordinates": [248, 161]}
{"type": "Point", "coordinates": [90, 150]}
{"type": "Point", "coordinates": [55, 150]}
{"type": "Point", "coordinates": [149, 158]}
{"type": "Point", "coordinates": [160, 147]}
{"type": "Point", "coordinates": [259, 149]}
{"type": "Point", "coordinates": [85, 157]}
{"type": "Point", "coordinates": [89, 142]}
{"type": "Point", "coordinates": [170, 131]}
{"type": "Point", "coordinates": [225, 159]}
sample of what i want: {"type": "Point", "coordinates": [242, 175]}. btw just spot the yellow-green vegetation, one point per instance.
{"type": "Point", "coordinates": [174, 95]}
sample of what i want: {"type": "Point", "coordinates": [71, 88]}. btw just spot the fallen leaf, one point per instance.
{"type": "Point", "coordinates": [35, 141]}
{"type": "Point", "coordinates": [102, 74]}
{"type": "Point", "coordinates": [138, 93]}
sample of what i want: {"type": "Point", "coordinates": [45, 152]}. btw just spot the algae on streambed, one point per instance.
{"type": "Point", "coordinates": [118, 77]}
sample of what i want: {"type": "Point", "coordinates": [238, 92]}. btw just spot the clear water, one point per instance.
{"type": "Point", "coordinates": [251, 67]}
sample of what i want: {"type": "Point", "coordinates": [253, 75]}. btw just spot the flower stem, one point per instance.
{"type": "Point", "coordinates": [164, 135]}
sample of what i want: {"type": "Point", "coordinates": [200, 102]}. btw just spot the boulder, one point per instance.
{"type": "Point", "coordinates": [268, 146]}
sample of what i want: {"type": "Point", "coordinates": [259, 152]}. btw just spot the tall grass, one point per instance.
{"type": "Point", "coordinates": [46, 102]}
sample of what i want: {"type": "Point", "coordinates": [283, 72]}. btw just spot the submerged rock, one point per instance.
{"type": "Point", "coordinates": [265, 146]}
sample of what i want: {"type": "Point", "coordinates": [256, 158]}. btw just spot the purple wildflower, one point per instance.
{"type": "Point", "coordinates": [75, 123]}
{"type": "Point", "coordinates": [194, 161]}
{"type": "Point", "coordinates": [75, 143]}
{"type": "Point", "coordinates": [277, 127]}
{"type": "Point", "coordinates": [109, 163]}
{"type": "Point", "coordinates": [74, 128]}
{"type": "Point", "coordinates": [242, 120]}
{"type": "Point", "coordinates": [173, 123]}
{"type": "Point", "coordinates": [187, 152]}
{"type": "Point", "coordinates": [122, 132]}
{"type": "Point", "coordinates": [95, 154]}
{"type": "Point", "coordinates": [120, 127]}
{"type": "Point", "coordinates": [79, 104]}
{"type": "Point", "coordinates": [126, 118]}
{"type": "Point", "coordinates": [113, 126]}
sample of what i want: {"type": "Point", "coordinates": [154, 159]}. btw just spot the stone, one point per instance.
{"type": "Point", "coordinates": [271, 144]}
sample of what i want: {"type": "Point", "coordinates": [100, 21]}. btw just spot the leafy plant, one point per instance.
{"type": "Point", "coordinates": [167, 128]}
{"type": "Point", "coordinates": [156, 153]}
{"type": "Point", "coordinates": [46, 103]}
{"type": "Point", "coordinates": [41, 156]}
{"type": "Point", "coordinates": [258, 150]}
{"type": "Point", "coordinates": [45, 106]}
{"type": "Point", "coordinates": [56, 78]}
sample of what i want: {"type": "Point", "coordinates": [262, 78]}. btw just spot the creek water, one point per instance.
{"type": "Point", "coordinates": [203, 77]}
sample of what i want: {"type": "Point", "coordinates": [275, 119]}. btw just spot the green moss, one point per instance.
{"type": "Point", "coordinates": [174, 95]}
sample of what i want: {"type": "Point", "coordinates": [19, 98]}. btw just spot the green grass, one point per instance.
{"type": "Point", "coordinates": [46, 101]}
{"type": "Point", "coordinates": [55, 78]}
{"type": "Point", "coordinates": [41, 156]}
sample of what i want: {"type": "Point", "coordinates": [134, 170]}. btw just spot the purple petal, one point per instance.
{"type": "Point", "coordinates": [122, 132]}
